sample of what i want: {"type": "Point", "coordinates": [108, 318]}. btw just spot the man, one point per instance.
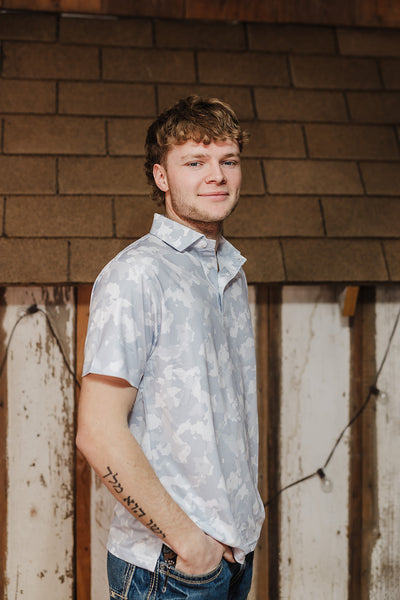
{"type": "Point", "coordinates": [168, 413]}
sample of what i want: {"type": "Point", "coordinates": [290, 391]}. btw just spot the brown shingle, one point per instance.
{"type": "Point", "coordinates": [334, 72]}
{"type": "Point", "coordinates": [382, 178]}
{"type": "Point", "coordinates": [114, 99]}
{"type": "Point", "coordinates": [134, 215]}
{"type": "Point", "coordinates": [264, 260]}
{"type": "Point", "coordinates": [127, 136]}
{"type": "Point", "coordinates": [291, 38]}
{"type": "Point", "coordinates": [27, 96]}
{"type": "Point", "coordinates": [274, 139]}
{"type": "Point", "coordinates": [351, 141]}
{"type": "Point", "coordinates": [33, 27]}
{"type": "Point", "coordinates": [361, 217]}
{"type": "Point", "coordinates": [199, 34]}
{"type": "Point", "coordinates": [33, 261]}
{"type": "Point", "coordinates": [391, 73]}
{"type": "Point", "coordinates": [382, 107]}
{"type": "Point", "coordinates": [334, 260]}
{"type": "Point", "coordinates": [243, 68]}
{"type": "Point", "coordinates": [116, 32]}
{"type": "Point", "coordinates": [280, 216]}
{"type": "Point", "coordinates": [54, 135]}
{"type": "Point", "coordinates": [27, 175]}
{"type": "Point", "coordinates": [238, 97]}
{"type": "Point", "coordinates": [58, 216]}
{"type": "Point", "coordinates": [102, 176]}
{"type": "Point", "coordinates": [300, 105]}
{"type": "Point", "coordinates": [88, 257]}
{"type": "Point", "coordinates": [369, 42]}
{"type": "Point", "coordinates": [50, 61]}
{"type": "Point", "coordinates": [392, 253]}
{"type": "Point", "coordinates": [312, 177]}
{"type": "Point", "coordinates": [253, 182]}
{"type": "Point", "coordinates": [127, 64]}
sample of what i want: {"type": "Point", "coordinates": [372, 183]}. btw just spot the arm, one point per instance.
{"type": "Point", "coordinates": [105, 440]}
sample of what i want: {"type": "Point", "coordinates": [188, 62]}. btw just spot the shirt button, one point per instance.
{"type": "Point", "coordinates": [203, 244]}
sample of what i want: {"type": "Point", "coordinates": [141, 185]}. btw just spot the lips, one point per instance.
{"type": "Point", "coordinates": [218, 195]}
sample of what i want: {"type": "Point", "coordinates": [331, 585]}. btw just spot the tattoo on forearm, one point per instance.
{"type": "Point", "coordinates": [130, 503]}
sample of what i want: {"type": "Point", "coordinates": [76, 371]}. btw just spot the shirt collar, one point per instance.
{"type": "Point", "coordinates": [181, 237]}
{"type": "Point", "coordinates": [174, 234]}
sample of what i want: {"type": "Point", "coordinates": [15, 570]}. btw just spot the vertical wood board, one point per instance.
{"type": "Point", "coordinates": [82, 468]}
{"type": "Point", "coordinates": [314, 410]}
{"type": "Point", "coordinates": [385, 563]}
{"type": "Point", "coordinates": [40, 446]}
{"type": "Point", "coordinates": [101, 512]}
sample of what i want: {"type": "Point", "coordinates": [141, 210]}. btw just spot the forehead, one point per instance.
{"type": "Point", "coordinates": [214, 148]}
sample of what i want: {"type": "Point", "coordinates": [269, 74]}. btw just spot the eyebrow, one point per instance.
{"type": "Point", "coordinates": [204, 155]}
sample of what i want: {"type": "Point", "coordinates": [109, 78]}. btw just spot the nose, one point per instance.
{"type": "Point", "coordinates": [215, 173]}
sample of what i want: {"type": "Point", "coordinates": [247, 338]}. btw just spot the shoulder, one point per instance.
{"type": "Point", "coordinates": [137, 261]}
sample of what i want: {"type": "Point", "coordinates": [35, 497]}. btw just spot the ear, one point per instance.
{"type": "Point", "coordinates": [160, 177]}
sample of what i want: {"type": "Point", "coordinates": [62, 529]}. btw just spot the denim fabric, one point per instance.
{"type": "Point", "coordinates": [227, 582]}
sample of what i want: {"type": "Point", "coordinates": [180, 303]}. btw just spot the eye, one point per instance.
{"type": "Point", "coordinates": [193, 163]}
{"type": "Point", "coordinates": [230, 163]}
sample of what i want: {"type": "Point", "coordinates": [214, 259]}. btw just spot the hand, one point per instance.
{"type": "Point", "coordinates": [205, 557]}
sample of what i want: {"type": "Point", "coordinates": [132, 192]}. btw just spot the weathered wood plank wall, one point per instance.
{"type": "Point", "coordinates": [385, 560]}
{"type": "Point", "coordinates": [310, 382]}
{"type": "Point", "coordinates": [40, 446]}
{"type": "Point", "coordinates": [314, 409]}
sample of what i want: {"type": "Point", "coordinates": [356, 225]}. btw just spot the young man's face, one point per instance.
{"type": "Point", "coordinates": [201, 183]}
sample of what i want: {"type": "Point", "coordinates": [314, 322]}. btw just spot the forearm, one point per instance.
{"type": "Point", "coordinates": [105, 440]}
{"type": "Point", "coordinates": [123, 467]}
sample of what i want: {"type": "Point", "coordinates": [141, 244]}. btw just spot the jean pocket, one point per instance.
{"type": "Point", "coordinates": [211, 586]}
{"type": "Point", "coordinates": [120, 574]}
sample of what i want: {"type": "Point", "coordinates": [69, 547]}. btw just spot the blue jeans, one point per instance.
{"type": "Point", "coordinates": [229, 581]}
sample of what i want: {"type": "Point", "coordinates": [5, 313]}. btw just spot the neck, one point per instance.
{"type": "Point", "coordinates": [212, 230]}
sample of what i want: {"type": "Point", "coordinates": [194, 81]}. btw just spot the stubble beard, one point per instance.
{"type": "Point", "coordinates": [196, 218]}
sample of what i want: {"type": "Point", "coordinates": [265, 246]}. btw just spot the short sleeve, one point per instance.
{"type": "Point", "coordinates": [123, 322]}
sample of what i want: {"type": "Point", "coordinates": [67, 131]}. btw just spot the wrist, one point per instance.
{"type": "Point", "coordinates": [185, 542]}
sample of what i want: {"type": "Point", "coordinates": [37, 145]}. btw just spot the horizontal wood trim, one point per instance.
{"type": "Point", "coordinates": [370, 13]}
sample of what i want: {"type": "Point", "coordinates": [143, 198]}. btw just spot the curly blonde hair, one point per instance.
{"type": "Point", "coordinates": [194, 118]}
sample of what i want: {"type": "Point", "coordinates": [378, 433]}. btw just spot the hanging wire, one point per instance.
{"type": "Point", "coordinates": [320, 472]}
{"type": "Point", "coordinates": [33, 309]}
{"type": "Point", "coordinates": [373, 391]}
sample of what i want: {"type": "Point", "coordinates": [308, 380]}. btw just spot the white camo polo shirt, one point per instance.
{"type": "Point", "coordinates": [171, 316]}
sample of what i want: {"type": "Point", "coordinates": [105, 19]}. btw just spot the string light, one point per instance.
{"type": "Point", "coordinates": [31, 310]}
{"type": "Point", "coordinates": [383, 397]}
{"type": "Point", "coordinates": [326, 482]}
{"type": "Point", "coordinates": [373, 391]}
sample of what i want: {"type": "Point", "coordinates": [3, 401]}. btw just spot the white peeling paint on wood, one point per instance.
{"type": "Point", "coordinates": [385, 563]}
{"type": "Point", "coordinates": [102, 507]}
{"type": "Point", "coordinates": [40, 447]}
{"type": "Point", "coordinates": [314, 410]}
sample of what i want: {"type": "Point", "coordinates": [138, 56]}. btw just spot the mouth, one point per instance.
{"type": "Point", "coordinates": [215, 195]}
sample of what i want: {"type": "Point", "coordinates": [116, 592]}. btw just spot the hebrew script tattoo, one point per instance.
{"type": "Point", "coordinates": [131, 505]}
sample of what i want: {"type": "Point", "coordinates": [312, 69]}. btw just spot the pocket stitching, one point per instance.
{"type": "Point", "coordinates": [195, 579]}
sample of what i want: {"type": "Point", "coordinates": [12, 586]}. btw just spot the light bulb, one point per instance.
{"type": "Point", "coordinates": [326, 483]}
{"type": "Point", "coordinates": [383, 397]}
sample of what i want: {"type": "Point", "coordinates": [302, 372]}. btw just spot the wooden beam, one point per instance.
{"type": "Point", "coordinates": [363, 508]}
{"type": "Point", "coordinates": [82, 469]}
{"type": "Point", "coordinates": [3, 452]}
{"type": "Point", "coordinates": [349, 300]}
{"type": "Point", "coordinates": [268, 338]}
